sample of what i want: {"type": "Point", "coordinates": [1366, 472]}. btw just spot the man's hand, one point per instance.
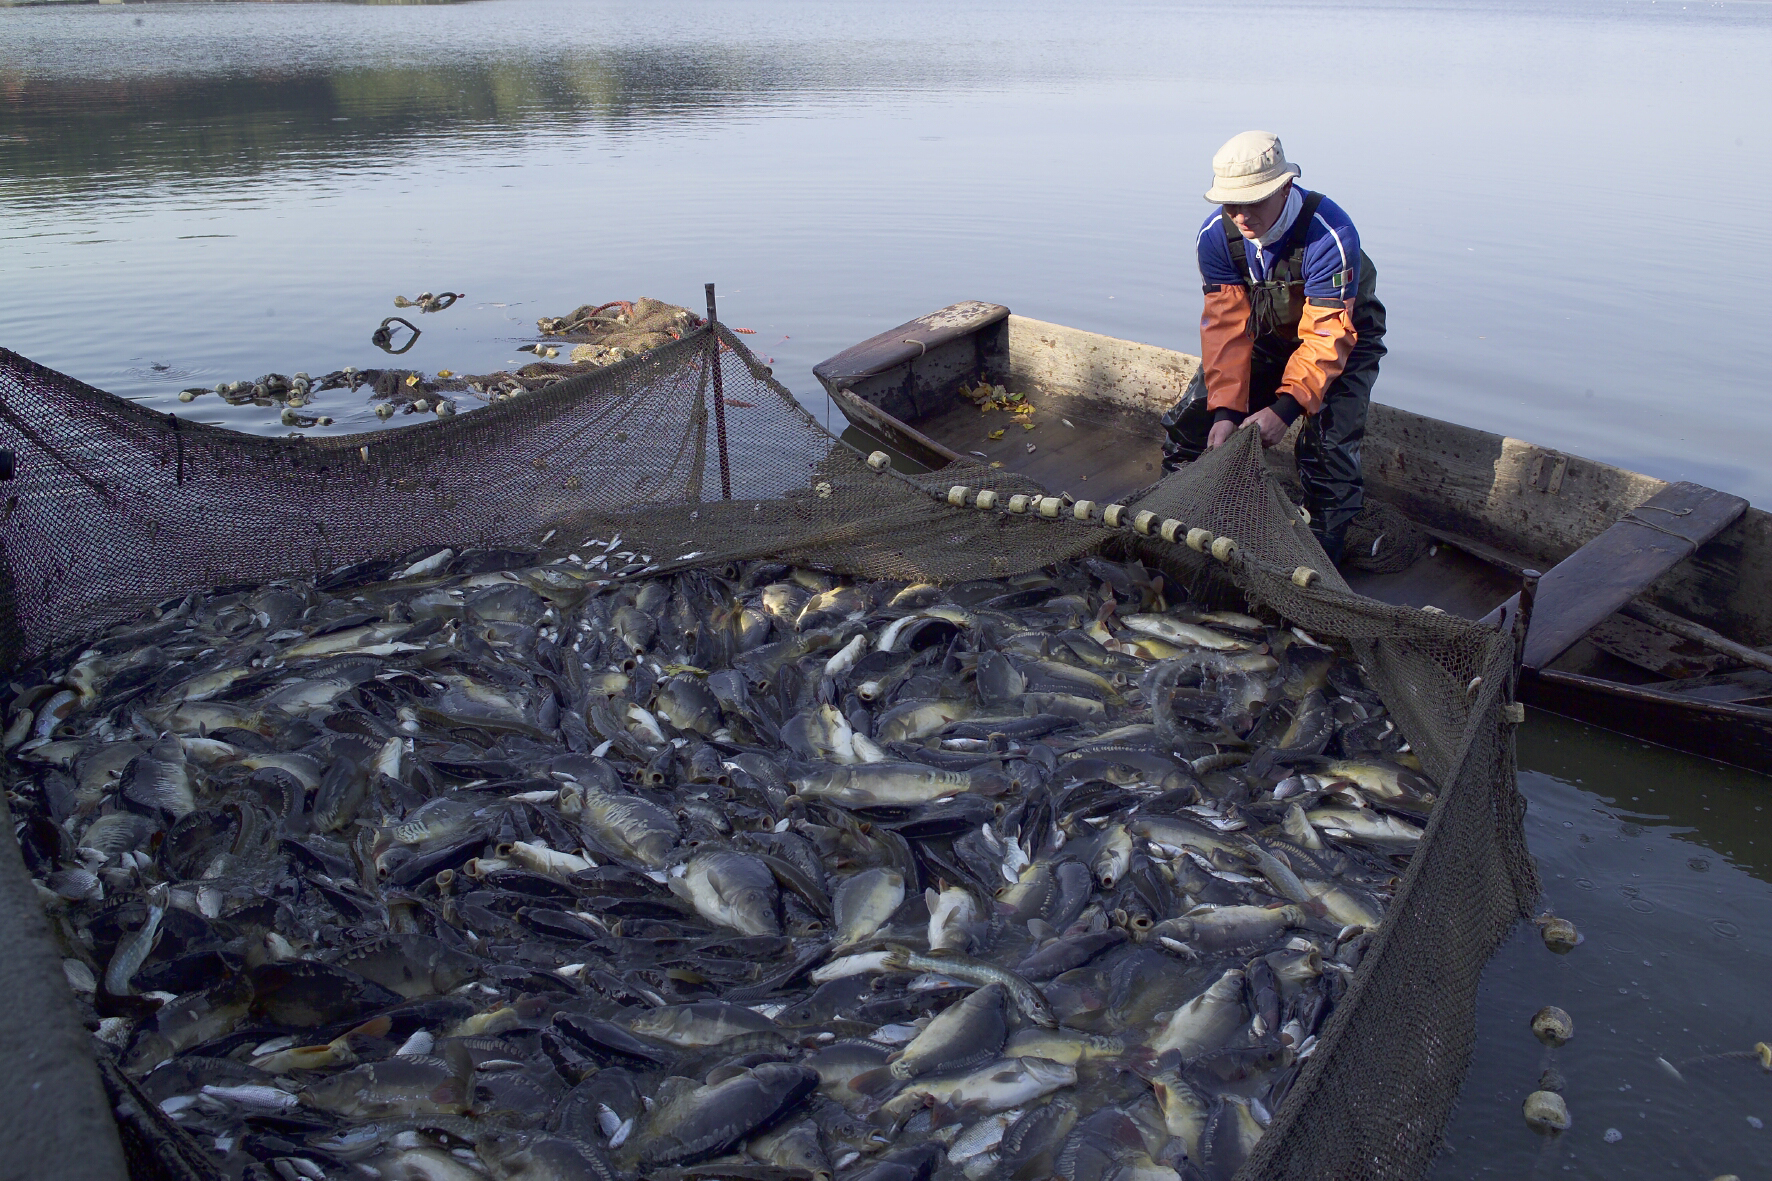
{"type": "Point", "coordinates": [1271, 426]}
{"type": "Point", "coordinates": [1220, 434]}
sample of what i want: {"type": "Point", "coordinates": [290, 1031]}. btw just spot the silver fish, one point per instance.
{"type": "Point", "coordinates": [731, 890]}
{"type": "Point", "coordinates": [863, 902]}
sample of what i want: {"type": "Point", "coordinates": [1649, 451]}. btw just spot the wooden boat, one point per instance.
{"type": "Point", "coordinates": [1653, 618]}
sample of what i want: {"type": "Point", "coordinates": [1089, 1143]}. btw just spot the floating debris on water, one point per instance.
{"type": "Point", "coordinates": [426, 302]}
{"type": "Point", "coordinates": [484, 862]}
{"type": "Point", "coordinates": [605, 334]}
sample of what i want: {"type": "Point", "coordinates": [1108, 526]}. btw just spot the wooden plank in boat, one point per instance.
{"type": "Point", "coordinates": [1722, 585]}
{"type": "Point", "coordinates": [909, 341]}
{"type": "Point", "coordinates": [1494, 490]}
{"type": "Point", "coordinates": [1613, 568]}
{"type": "Point", "coordinates": [901, 435]}
{"type": "Point", "coordinates": [1751, 686]}
{"type": "Point", "coordinates": [916, 369]}
{"type": "Point", "coordinates": [1653, 649]}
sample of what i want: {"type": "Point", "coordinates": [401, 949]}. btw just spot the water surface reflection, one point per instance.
{"type": "Point", "coordinates": [227, 190]}
{"type": "Point", "coordinates": [69, 135]}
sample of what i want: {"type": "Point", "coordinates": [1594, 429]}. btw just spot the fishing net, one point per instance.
{"type": "Point", "coordinates": [1382, 540]}
{"type": "Point", "coordinates": [622, 326]}
{"type": "Point", "coordinates": [696, 455]}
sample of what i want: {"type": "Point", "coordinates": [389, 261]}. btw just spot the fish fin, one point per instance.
{"type": "Point", "coordinates": [1141, 1061]}
{"type": "Point", "coordinates": [1262, 765]}
{"type": "Point", "coordinates": [460, 1060]}
{"type": "Point", "coordinates": [941, 1114]}
{"type": "Point", "coordinates": [374, 1027]}
{"type": "Point", "coordinates": [873, 1083]}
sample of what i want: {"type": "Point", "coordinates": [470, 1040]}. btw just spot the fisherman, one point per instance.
{"type": "Point", "coordinates": [1292, 326]}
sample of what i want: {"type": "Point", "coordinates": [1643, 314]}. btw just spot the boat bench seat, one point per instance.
{"type": "Point", "coordinates": [1596, 580]}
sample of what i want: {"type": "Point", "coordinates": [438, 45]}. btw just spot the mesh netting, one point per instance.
{"type": "Point", "coordinates": [115, 507]}
{"type": "Point", "coordinates": [154, 1147]}
{"type": "Point", "coordinates": [1384, 541]}
{"type": "Point", "coordinates": [1398, 1045]}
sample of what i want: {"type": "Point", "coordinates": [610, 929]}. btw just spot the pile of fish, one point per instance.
{"type": "Point", "coordinates": [473, 865]}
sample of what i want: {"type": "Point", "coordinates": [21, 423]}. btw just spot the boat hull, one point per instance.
{"type": "Point", "coordinates": [1740, 735]}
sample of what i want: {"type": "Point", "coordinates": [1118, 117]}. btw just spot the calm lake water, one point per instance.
{"type": "Point", "coordinates": [1565, 201]}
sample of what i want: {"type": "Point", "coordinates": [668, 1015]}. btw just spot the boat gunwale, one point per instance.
{"type": "Point", "coordinates": [1387, 421]}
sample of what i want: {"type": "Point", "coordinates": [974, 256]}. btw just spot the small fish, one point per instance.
{"type": "Point", "coordinates": [1364, 826]}
{"type": "Point", "coordinates": [400, 1086]}
{"type": "Point", "coordinates": [964, 1034]}
{"type": "Point", "coordinates": [1027, 998]}
{"type": "Point", "coordinates": [1206, 1022]}
{"type": "Point", "coordinates": [427, 566]}
{"type": "Point", "coordinates": [160, 779]}
{"type": "Point", "coordinates": [134, 949]}
{"type": "Point", "coordinates": [702, 1023]}
{"type": "Point", "coordinates": [953, 919]}
{"type": "Point", "coordinates": [730, 889]}
{"type": "Point", "coordinates": [995, 1086]}
{"type": "Point", "coordinates": [885, 783]}
{"type": "Point", "coordinates": [1175, 631]}
{"type": "Point", "coordinates": [863, 902]}
{"type": "Point", "coordinates": [694, 1123]}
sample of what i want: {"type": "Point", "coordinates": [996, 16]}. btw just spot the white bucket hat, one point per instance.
{"type": "Point", "coordinates": [1250, 167]}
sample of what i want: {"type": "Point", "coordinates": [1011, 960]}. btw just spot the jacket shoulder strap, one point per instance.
{"type": "Point", "coordinates": [1233, 243]}
{"type": "Point", "coordinates": [1301, 230]}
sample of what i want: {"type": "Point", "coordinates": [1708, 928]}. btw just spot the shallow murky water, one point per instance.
{"type": "Point", "coordinates": [1664, 862]}
{"type": "Point", "coordinates": [1565, 203]}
